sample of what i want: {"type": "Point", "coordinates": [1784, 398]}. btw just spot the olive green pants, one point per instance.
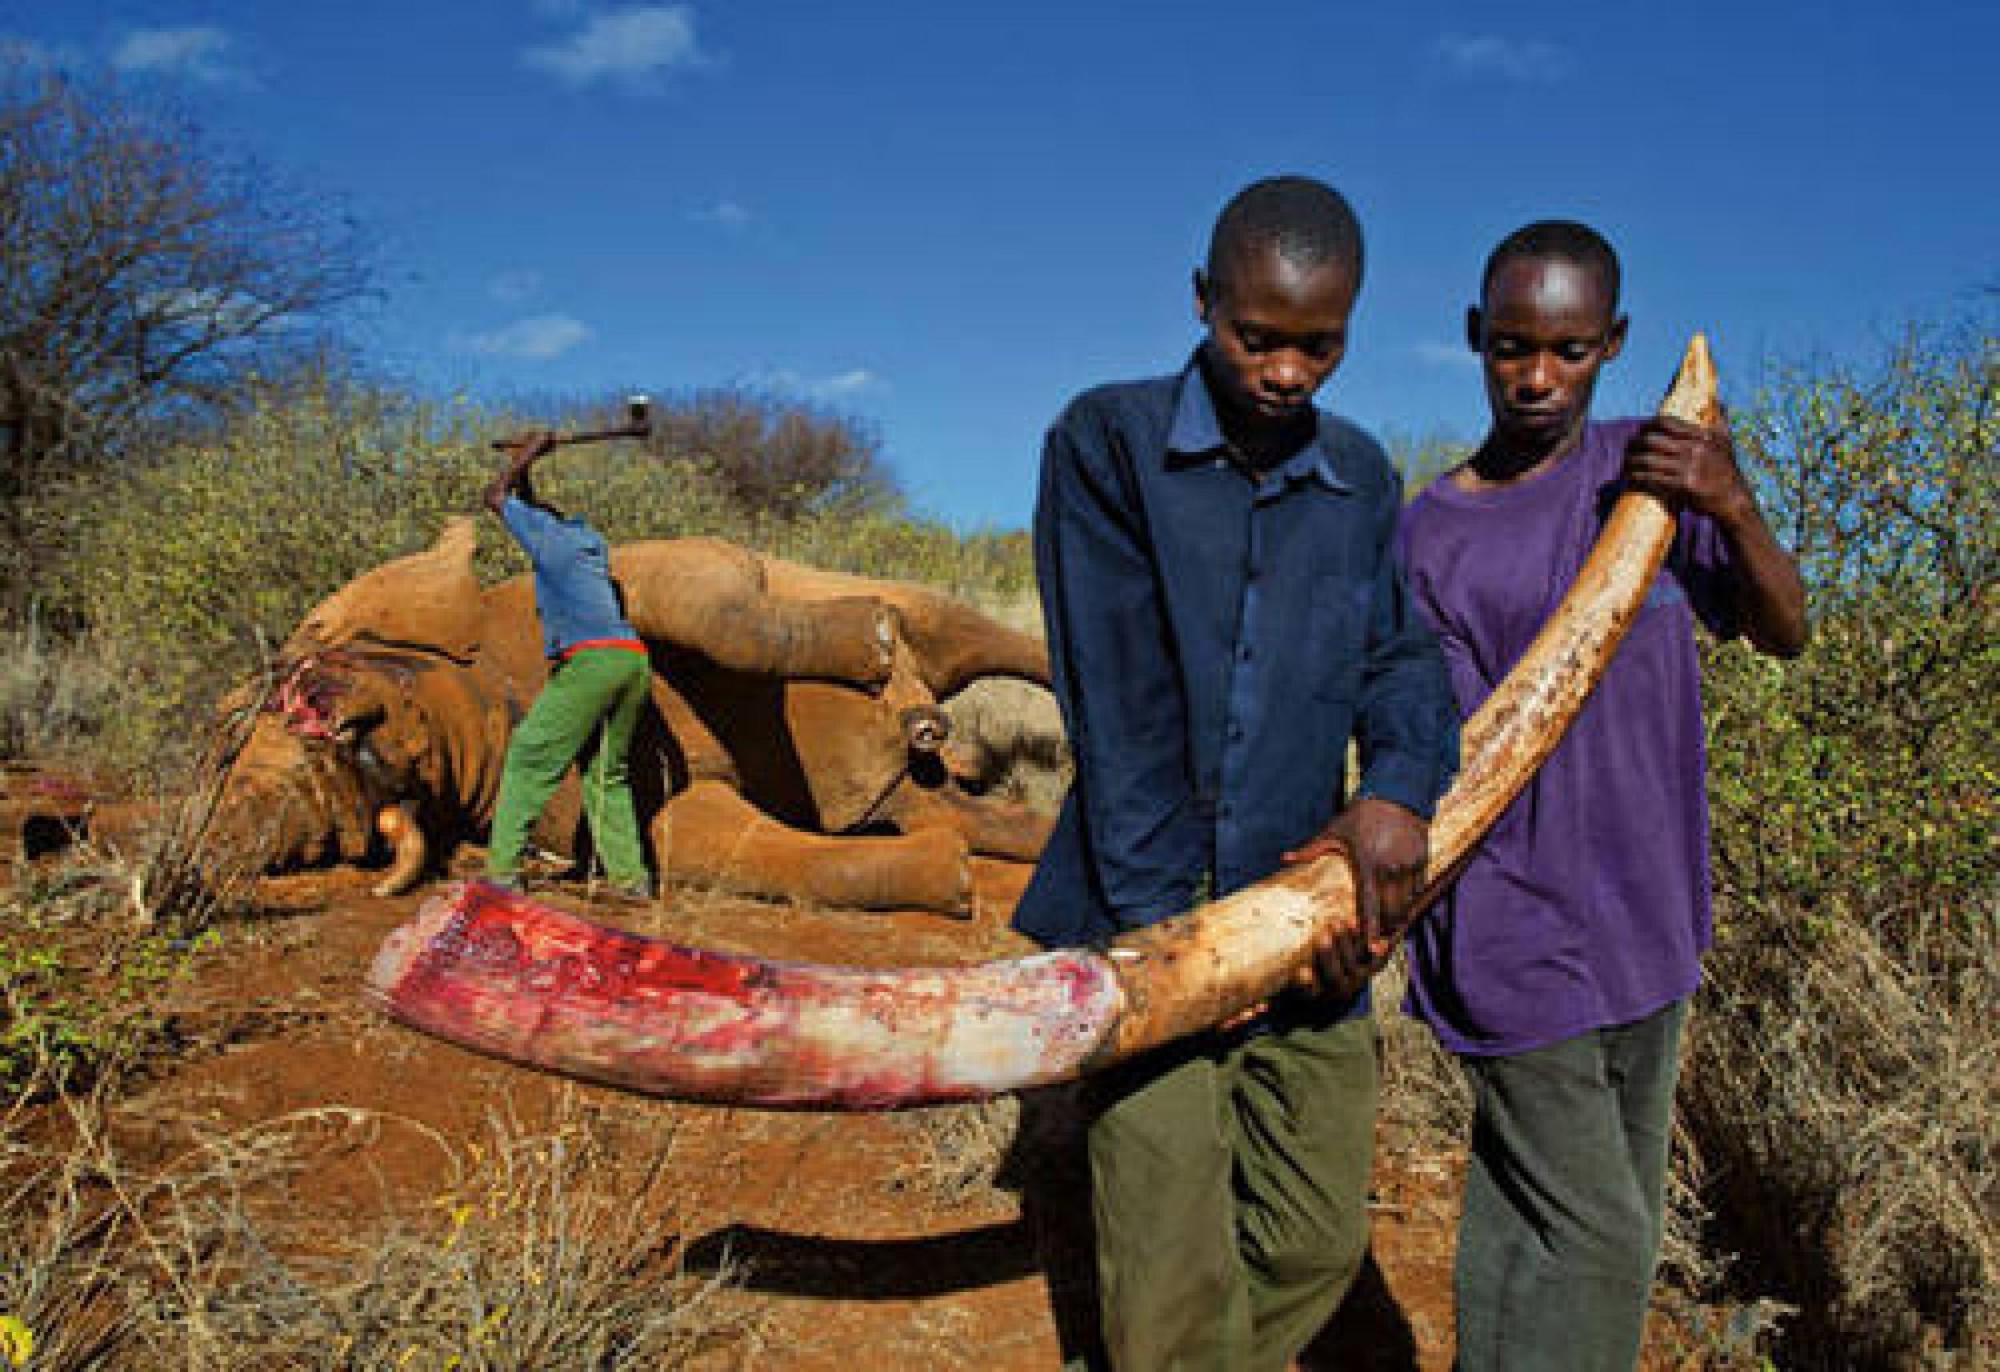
{"type": "Point", "coordinates": [606, 686]}
{"type": "Point", "coordinates": [1564, 1199]}
{"type": "Point", "coordinates": [1229, 1193]}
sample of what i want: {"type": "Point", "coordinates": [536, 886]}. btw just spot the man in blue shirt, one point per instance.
{"type": "Point", "coordinates": [599, 677]}
{"type": "Point", "coordinates": [1224, 617]}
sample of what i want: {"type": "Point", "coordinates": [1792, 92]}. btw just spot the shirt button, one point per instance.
{"type": "Point", "coordinates": [1236, 733]}
{"type": "Point", "coordinates": [1243, 654]}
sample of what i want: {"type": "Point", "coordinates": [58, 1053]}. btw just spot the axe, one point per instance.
{"type": "Point", "coordinates": [638, 424]}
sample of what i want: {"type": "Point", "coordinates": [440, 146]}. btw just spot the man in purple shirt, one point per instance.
{"type": "Point", "coordinates": [1560, 964]}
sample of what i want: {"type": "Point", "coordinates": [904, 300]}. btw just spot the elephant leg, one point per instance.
{"type": "Point", "coordinates": [955, 643]}
{"type": "Point", "coordinates": [958, 646]}
{"type": "Point", "coordinates": [850, 640]}
{"type": "Point", "coordinates": [993, 827]}
{"type": "Point", "coordinates": [711, 834]}
{"type": "Point", "coordinates": [712, 598]}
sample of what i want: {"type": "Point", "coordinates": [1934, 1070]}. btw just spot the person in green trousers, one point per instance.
{"type": "Point", "coordinates": [599, 673]}
{"type": "Point", "coordinates": [1225, 616]}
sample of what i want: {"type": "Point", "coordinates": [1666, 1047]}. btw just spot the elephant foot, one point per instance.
{"type": "Point", "coordinates": [709, 833]}
{"type": "Point", "coordinates": [990, 826]}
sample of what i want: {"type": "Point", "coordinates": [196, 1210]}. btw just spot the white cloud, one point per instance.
{"type": "Point", "coordinates": [636, 46]}
{"type": "Point", "coordinates": [535, 339]}
{"type": "Point", "coordinates": [723, 213]}
{"type": "Point", "coordinates": [1514, 59]}
{"type": "Point", "coordinates": [1446, 354]}
{"type": "Point", "coordinates": [32, 55]}
{"type": "Point", "coordinates": [514, 285]}
{"type": "Point", "coordinates": [846, 383]}
{"type": "Point", "coordinates": [198, 52]}
{"type": "Point", "coordinates": [838, 386]}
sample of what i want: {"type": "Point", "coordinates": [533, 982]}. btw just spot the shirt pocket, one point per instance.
{"type": "Point", "coordinates": [1335, 637]}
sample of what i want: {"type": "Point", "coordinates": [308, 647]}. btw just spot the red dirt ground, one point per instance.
{"type": "Point", "coordinates": [848, 1260]}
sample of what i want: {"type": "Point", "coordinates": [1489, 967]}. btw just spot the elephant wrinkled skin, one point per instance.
{"type": "Point", "coordinates": [794, 746]}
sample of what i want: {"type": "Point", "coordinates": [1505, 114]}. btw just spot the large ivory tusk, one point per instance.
{"type": "Point", "coordinates": [503, 975]}
{"type": "Point", "coordinates": [409, 853]}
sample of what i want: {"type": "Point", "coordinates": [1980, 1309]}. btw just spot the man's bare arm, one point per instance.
{"type": "Point", "coordinates": [512, 478]}
{"type": "Point", "coordinates": [1695, 468]}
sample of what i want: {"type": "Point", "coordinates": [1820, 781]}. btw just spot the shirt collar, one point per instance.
{"type": "Point", "coordinates": [1196, 434]}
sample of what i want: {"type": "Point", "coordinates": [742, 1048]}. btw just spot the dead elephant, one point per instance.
{"type": "Point", "coordinates": [792, 749]}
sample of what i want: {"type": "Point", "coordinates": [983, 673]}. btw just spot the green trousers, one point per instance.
{"type": "Point", "coordinates": [1229, 1194]}
{"type": "Point", "coordinates": [604, 687]}
{"type": "Point", "coordinates": [1564, 1194]}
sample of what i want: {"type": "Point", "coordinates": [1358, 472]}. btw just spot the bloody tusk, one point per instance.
{"type": "Point", "coordinates": [409, 853]}
{"type": "Point", "coordinates": [493, 971]}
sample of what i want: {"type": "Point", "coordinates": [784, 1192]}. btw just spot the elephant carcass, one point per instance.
{"type": "Point", "coordinates": [783, 701]}
{"type": "Point", "coordinates": [544, 988]}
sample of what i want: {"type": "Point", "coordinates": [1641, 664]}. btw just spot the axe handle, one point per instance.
{"type": "Point", "coordinates": [500, 445]}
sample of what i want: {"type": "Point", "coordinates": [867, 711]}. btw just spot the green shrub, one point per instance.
{"type": "Point", "coordinates": [81, 992]}
{"type": "Point", "coordinates": [196, 564]}
{"type": "Point", "coordinates": [1844, 1078]}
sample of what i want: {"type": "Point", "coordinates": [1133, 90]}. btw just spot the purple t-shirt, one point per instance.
{"type": "Point", "coordinates": [1588, 903]}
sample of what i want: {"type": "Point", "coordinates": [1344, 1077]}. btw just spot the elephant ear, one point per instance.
{"type": "Point", "coordinates": [428, 601]}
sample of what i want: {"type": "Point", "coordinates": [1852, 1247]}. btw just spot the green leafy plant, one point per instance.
{"type": "Point", "coordinates": [1844, 1073]}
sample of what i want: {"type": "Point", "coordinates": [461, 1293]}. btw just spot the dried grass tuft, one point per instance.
{"type": "Point", "coordinates": [959, 1149]}
{"type": "Point", "coordinates": [540, 1250]}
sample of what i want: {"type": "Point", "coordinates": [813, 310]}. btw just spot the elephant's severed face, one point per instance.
{"type": "Point", "coordinates": [337, 737]}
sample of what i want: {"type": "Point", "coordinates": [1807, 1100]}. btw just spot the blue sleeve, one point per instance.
{"type": "Point", "coordinates": [1116, 680]}
{"type": "Point", "coordinates": [529, 524]}
{"type": "Point", "coordinates": [1406, 718]}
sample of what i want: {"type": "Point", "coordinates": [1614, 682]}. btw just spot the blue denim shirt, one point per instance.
{"type": "Point", "coordinates": [1217, 639]}
{"type": "Point", "coordinates": [573, 590]}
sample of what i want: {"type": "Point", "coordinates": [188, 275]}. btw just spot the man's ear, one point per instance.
{"type": "Point", "coordinates": [1475, 329]}
{"type": "Point", "coordinates": [1614, 341]}
{"type": "Point", "coordinates": [1204, 295]}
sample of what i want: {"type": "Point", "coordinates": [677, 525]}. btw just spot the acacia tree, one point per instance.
{"type": "Point", "coordinates": [141, 276]}
{"type": "Point", "coordinates": [776, 455]}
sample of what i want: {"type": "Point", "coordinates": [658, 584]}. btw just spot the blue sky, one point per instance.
{"type": "Point", "coordinates": [946, 218]}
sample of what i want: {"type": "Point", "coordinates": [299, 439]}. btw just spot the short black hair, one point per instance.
{"type": "Point", "coordinates": [1565, 240]}
{"type": "Point", "coordinates": [1307, 221]}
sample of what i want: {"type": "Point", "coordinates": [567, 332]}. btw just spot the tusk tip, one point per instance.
{"type": "Point", "coordinates": [1694, 394]}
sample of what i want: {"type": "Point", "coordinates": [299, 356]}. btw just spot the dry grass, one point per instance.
{"type": "Point", "coordinates": [1425, 1101]}
{"type": "Point", "coordinates": [1844, 1112]}
{"type": "Point", "coordinates": [542, 1249]}
{"type": "Point", "coordinates": [958, 1151]}
{"type": "Point", "coordinates": [53, 694]}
